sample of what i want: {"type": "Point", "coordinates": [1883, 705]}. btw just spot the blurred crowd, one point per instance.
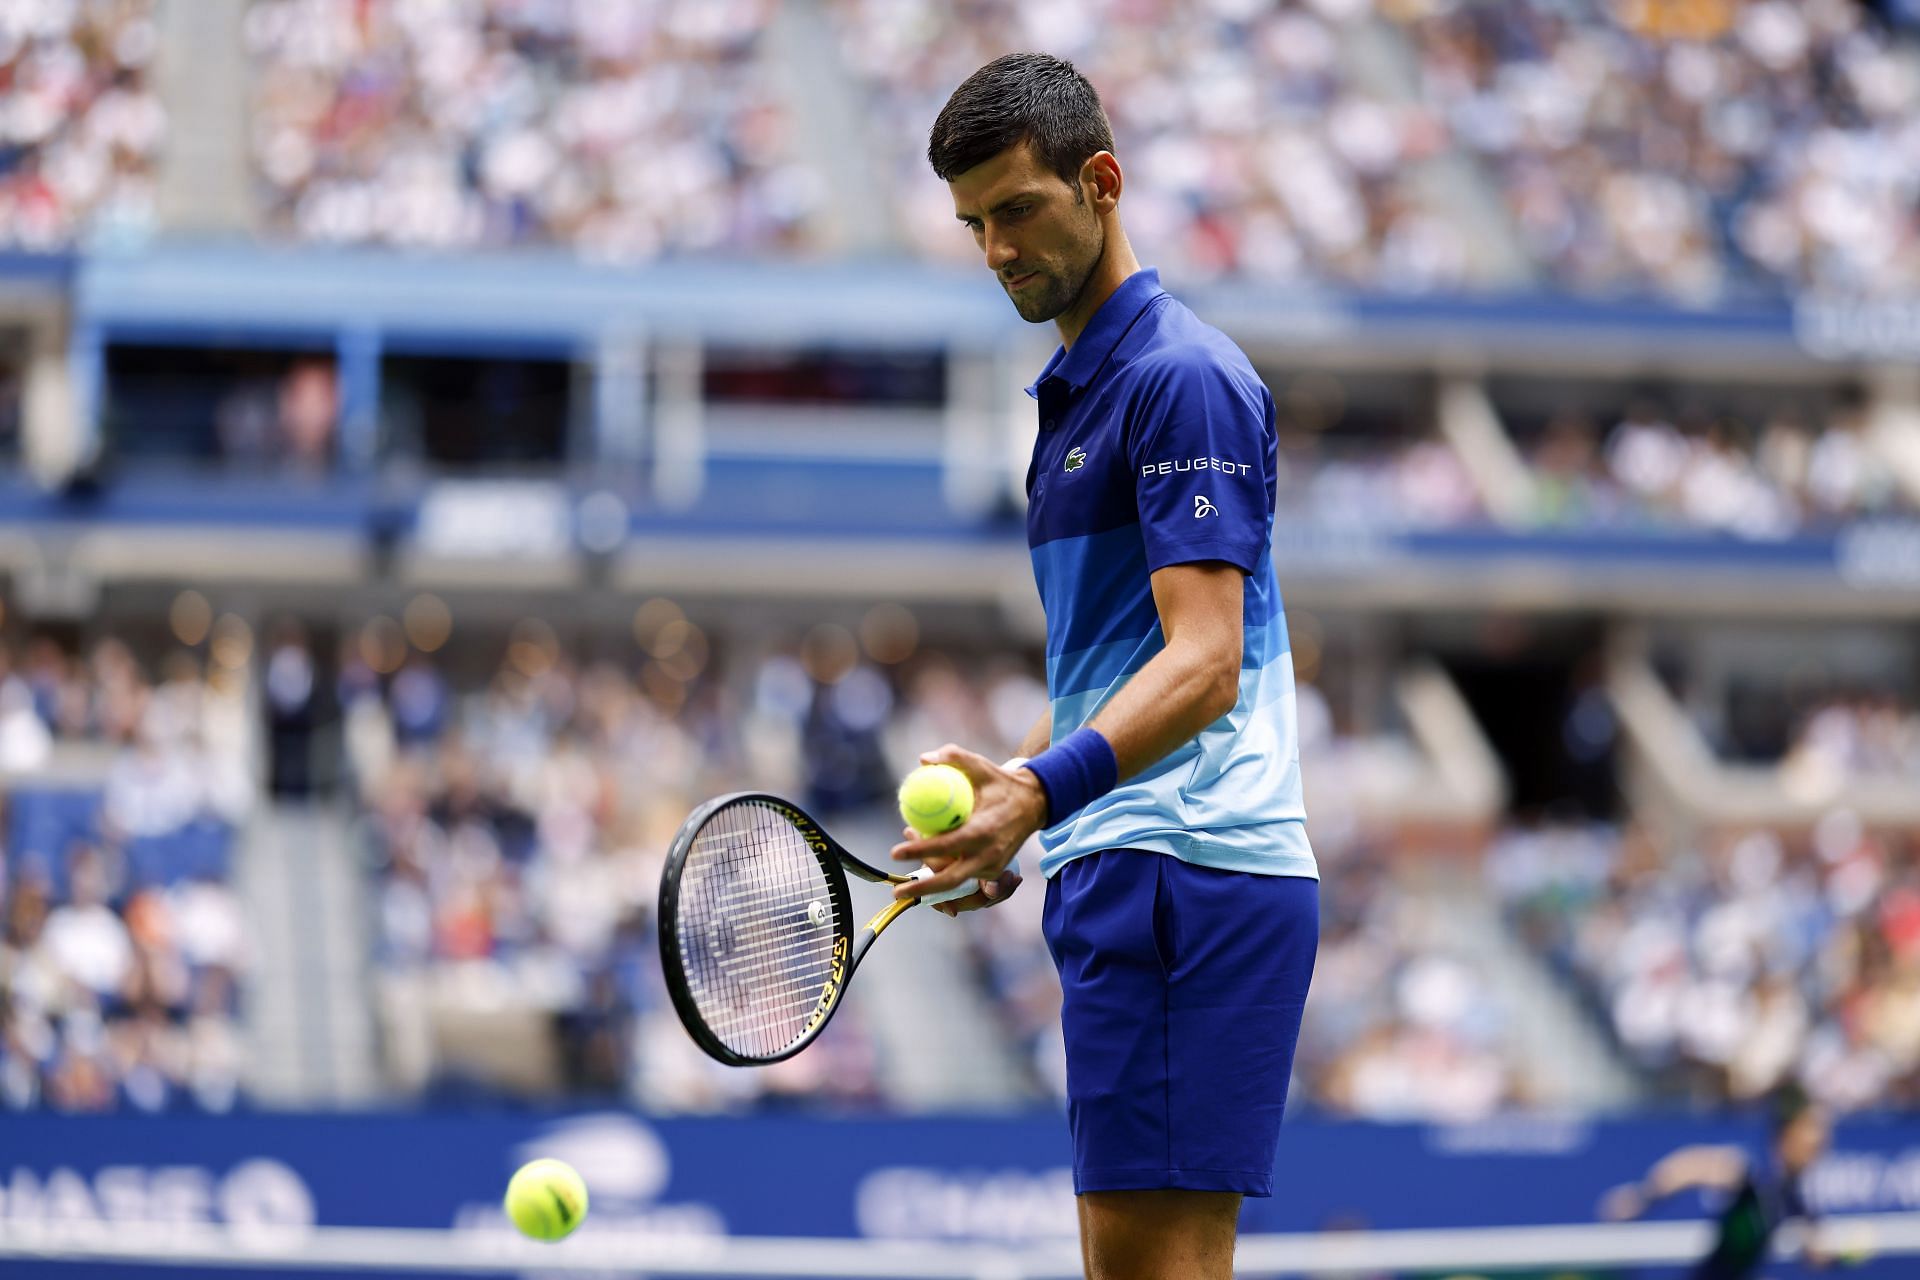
{"type": "Point", "coordinates": [120, 941]}
{"type": "Point", "coordinates": [80, 127]}
{"type": "Point", "coordinates": [1688, 150]}
{"type": "Point", "coordinates": [1406, 1024]}
{"type": "Point", "coordinates": [1819, 728]}
{"type": "Point", "coordinates": [624, 130]}
{"type": "Point", "coordinates": [1729, 965]}
{"type": "Point", "coordinates": [1693, 151]}
{"type": "Point", "coordinates": [516, 804]}
{"type": "Point", "coordinates": [1865, 734]}
{"type": "Point", "coordinates": [1415, 483]}
{"type": "Point", "coordinates": [518, 822]}
{"type": "Point", "coordinates": [1251, 148]}
{"type": "Point", "coordinates": [1656, 468]}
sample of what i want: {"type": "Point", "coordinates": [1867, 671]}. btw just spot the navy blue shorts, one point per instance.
{"type": "Point", "coordinates": [1182, 991]}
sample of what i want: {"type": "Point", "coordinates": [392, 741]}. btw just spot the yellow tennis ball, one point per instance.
{"type": "Point", "coordinates": [546, 1199]}
{"type": "Point", "coordinates": [936, 798]}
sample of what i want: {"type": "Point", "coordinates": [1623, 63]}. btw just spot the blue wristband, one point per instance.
{"type": "Point", "coordinates": [1074, 772]}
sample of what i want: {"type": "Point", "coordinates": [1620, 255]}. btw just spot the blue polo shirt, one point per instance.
{"type": "Point", "coordinates": [1157, 447]}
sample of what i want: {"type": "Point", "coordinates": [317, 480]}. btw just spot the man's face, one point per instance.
{"type": "Point", "coordinates": [1805, 1139]}
{"type": "Point", "coordinates": [1040, 240]}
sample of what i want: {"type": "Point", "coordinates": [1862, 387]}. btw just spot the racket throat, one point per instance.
{"type": "Point", "coordinates": [830, 993]}
{"type": "Point", "coordinates": [888, 914]}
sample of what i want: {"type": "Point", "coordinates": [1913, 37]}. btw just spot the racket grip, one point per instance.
{"type": "Point", "coordinates": [963, 890]}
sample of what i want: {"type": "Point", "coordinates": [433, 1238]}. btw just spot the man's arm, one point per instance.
{"type": "Point", "coordinates": [1038, 738]}
{"type": "Point", "coordinates": [1190, 683]}
{"type": "Point", "coordinates": [1711, 1168]}
{"type": "Point", "coordinates": [1194, 680]}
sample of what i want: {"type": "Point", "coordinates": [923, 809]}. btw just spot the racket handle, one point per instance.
{"type": "Point", "coordinates": [963, 890]}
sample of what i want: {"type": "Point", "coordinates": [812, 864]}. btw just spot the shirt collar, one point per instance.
{"type": "Point", "coordinates": [1077, 365]}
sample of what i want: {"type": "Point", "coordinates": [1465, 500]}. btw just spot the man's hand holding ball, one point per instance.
{"type": "Point", "coordinates": [970, 832]}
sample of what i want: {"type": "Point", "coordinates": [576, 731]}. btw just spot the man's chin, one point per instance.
{"type": "Point", "coordinates": [1036, 310]}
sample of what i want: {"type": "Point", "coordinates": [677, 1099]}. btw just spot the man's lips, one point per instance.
{"type": "Point", "coordinates": [1019, 281]}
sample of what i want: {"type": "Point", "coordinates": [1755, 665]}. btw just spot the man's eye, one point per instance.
{"type": "Point", "coordinates": [1020, 210]}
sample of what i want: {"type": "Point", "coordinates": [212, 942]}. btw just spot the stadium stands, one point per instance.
{"type": "Point", "coordinates": [1728, 153]}
{"type": "Point", "coordinates": [1711, 472]}
{"type": "Point", "coordinates": [1691, 151]}
{"type": "Point", "coordinates": [121, 944]}
{"type": "Point", "coordinates": [82, 130]}
{"type": "Point", "coordinates": [624, 131]}
{"type": "Point", "coordinates": [1213, 104]}
{"type": "Point", "coordinates": [1726, 967]}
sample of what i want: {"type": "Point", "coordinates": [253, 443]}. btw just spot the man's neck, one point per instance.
{"type": "Point", "coordinates": [1115, 265]}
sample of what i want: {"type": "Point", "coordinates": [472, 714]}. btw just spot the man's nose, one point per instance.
{"type": "Point", "coordinates": [1000, 252]}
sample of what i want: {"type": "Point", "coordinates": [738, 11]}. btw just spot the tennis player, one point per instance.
{"type": "Point", "coordinates": [1762, 1194]}
{"type": "Point", "coordinates": [1182, 896]}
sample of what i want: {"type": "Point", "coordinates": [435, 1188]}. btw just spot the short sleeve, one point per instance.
{"type": "Point", "coordinates": [1198, 443]}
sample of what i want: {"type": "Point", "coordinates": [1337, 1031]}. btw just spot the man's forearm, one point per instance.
{"type": "Point", "coordinates": [1038, 738]}
{"type": "Point", "coordinates": [1180, 691]}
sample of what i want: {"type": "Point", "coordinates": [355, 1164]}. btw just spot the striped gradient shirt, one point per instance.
{"type": "Point", "coordinates": [1157, 447]}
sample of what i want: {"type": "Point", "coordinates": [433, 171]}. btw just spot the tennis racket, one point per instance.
{"type": "Point", "coordinates": [757, 939]}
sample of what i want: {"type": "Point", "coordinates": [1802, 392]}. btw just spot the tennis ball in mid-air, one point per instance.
{"type": "Point", "coordinates": [936, 798]}
{"type": "Point", "coordinates": [546, 1199]}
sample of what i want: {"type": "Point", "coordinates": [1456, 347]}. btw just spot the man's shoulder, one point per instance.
{"type": "Point", "coordinates": [1180, 346]}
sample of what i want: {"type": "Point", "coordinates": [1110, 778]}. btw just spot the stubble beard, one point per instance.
{"type": "Point", "coordinates": [1057, 294]}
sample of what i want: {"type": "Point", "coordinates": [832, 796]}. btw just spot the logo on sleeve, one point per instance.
{"type": "Point", "coordinates": [1179, 466]}
{"type": "Point", "coordinates": [1076, 458]}
{"type": "Point", "coordinates": [1202, 506]}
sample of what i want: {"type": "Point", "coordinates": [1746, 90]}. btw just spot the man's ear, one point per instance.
{"type": "Point", "coordinates": [1101, 180]}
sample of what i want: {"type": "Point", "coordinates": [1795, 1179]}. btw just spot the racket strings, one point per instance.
{"type": "Point", "coordinates": [757, 926]}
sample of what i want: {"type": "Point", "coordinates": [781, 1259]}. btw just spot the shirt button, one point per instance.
{"type": "Point", "coordinates": [1047, 425]}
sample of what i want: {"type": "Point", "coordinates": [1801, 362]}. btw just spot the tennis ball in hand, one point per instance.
{"type": "Point", "coordinates": [546, 1199]}
{"type": "Point", "coordinates": [936, 798]}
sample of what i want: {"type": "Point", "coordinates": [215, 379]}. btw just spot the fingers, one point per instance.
{"type": "Point", "coordinates": [967, 837]}
{"type": "Point", "coordinates": [958, 843]}
{"type": "Point", "coordinates": [951, 876]}
{"type": "Point", "coordinates": [991, 892]}
{"type": "Point", "coordinates": [976, 766]}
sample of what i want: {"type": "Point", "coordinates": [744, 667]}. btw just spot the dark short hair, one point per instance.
{"type": "Point", "coordinates": [1787, 1104]}
{"type": "Point", "coordinates": [1021, 97]}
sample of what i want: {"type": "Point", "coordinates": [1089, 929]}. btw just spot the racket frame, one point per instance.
{"type": "Point", "coordinates": [836, 863]}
